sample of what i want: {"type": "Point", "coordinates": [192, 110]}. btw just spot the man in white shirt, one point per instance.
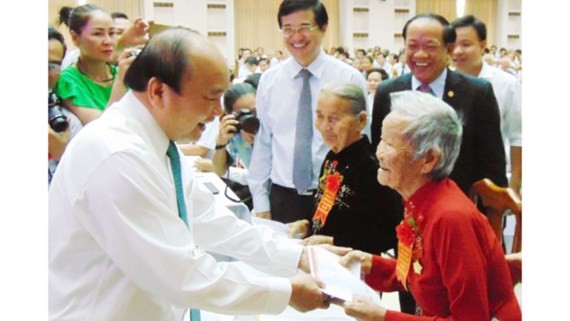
{"type": "Point", "coordinates": [118, 249]}
{"type": "Point", "coordinates": [468, 52]}
{"type": "Point", "coordinates": [303, 24]}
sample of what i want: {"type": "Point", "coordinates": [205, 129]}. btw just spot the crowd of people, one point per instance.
{"type": "Point", "coordinates": [359, 155]}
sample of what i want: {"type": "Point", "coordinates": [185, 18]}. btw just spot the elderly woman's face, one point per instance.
{"type": "Point", "coordinates": [397, 168]}
{"type": "Point", "coordinates": [338, 126]}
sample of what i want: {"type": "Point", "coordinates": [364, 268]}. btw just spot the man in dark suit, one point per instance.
{"type": "Point", "coordinates": [429, 41]}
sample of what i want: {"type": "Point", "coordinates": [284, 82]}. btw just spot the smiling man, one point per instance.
{"type": "Point", "coordinates": [429, 41]}
{"type": "Point", "coordinates": [287, 133]}
{"type": "Point", "coordinates": [468, 57]}
{"type": "Point", "coordinates": [128, 222]}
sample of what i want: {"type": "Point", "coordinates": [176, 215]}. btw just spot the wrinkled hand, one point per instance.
{"type": "Point", "coordinates": [364, 258]}
{"type": "Point", "coordinates": [136, 34]}
{"type": "Point", "coordinates": [364, 309]}
{"type": "Point", "coordinates": [304, 261]}
{"type": "Point", "coordinates": [204, 164]}
{"type": "Point", "coordinates": [227, 129]}
{"type": "Point", "coordinates": [307, 294]}
{"type": "Point", "coordinates": [318, 239]}
{"type": "Point", "coordinates": [298, 229]}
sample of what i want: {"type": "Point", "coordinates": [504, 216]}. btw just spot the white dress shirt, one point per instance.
{"type": "Point", "coordinates": [277, 98]}
{"type": "Point", "coordinates": [119, 251]}
{"type": "Point", "coordinates": [509, 97]}
{"type": "Point", "coordinates": [437, 85]}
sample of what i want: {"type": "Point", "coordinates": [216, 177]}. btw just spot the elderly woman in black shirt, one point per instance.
{"type": "Point", "coordinates": [351, 208]}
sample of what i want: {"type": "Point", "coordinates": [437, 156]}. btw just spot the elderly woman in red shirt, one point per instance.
{"type": "Point", "coordinates": [449, 258]}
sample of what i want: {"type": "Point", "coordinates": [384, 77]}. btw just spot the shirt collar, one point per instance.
{"type": "Point", "coordinates": [149, 128]}
{"type": "Point", "coordinates": [486, 71]}
{"type": "Point", "coordinates": [316, 67]}
{"type": "Point", "coordinates": [438, 85]}
{"type": "Point", "coordinates": [417, 200]}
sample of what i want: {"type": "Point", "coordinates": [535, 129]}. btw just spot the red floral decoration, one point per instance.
{"type": "Point", "coordinates": [333, 182]}
{"type": "Point", "coordinates": [407, 232]}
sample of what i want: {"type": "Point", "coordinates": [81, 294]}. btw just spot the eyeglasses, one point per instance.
{"type": "Point", "coordinates": [303, 29]}
{"type": "Point", "coordinates": [54, 66]}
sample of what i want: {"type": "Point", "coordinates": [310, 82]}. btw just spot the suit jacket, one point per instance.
{"type": "Point", "coordinates": [482, 154]}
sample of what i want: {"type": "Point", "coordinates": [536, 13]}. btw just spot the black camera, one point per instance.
{"type": "Point", "coordinates": [56, 118]}
{"type": "Point", "coordinates": [247, 121]}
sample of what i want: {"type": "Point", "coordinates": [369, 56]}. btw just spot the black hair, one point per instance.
{"type": "Point", "coordinates": [79, 16]}
{"type": "Point", "coordinates": [251, 60]}
{"type": "Point", "coordinates": [54, 34]}
{"type": "Point", "coordinates": [233, 93]}
{"type": "Point", "coordinates": [369, 58]}
{"type": "Point", "coordinates": [64, 15]}
{"type": "Point", "coordinates": [449, 34]}
{"type": "Point", "coordinates": [253, 79]}
{"type": "Point", "coordinates": [382, 72]}
{"type": "Point", "coordinates": [116, 15]}
{"type": "Point", "coordinates": [288, 7]}
{"type": "Point", "coordinates": [164, 57]}
{"type": "Point", "coordinates": [471, 21]}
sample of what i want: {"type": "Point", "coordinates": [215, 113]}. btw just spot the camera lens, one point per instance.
{"type": "Point", "coordinates": [250, 124]}
{"type": "Point", "coordinates": [57, 119]}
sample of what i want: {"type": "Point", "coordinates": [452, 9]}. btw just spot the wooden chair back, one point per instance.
{"type": "Point", "coordinates": [496, 201]}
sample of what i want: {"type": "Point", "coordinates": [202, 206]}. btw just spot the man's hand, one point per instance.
{"type": "Point", "coordinates": [57, 142]}
{"type": "Point", "coordinates": [227, 129]}
{"type": "Point", "coordinates": [204, 165]}
{"type": "Point", "coordinates": [307, 294]}
{"type": "Point", "coordinates": [364, 258]}
{"type": "Point", "coordinates": [364, 309]}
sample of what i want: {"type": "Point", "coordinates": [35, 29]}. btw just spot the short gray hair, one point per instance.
{"type": "Point", "coordinates": [432, 125]}
{"type": "Point", "coordinates": [349, 91]}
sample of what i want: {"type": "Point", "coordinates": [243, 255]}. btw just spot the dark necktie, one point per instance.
{"type": "Point", "coordinates": [172, 153]}
{"type": "Point", "coordinates": [302, 162]}
{"type": "Point", "coordinates": [425, 88]}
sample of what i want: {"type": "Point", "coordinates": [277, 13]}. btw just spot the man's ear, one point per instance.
{"type": "Point", "coordinates": [156, 92]}
{"type": "Point", "coordinates": [430, 160]}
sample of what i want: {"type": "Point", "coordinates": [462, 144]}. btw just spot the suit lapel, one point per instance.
{"type": "Point", "coordinates": [452, 88]}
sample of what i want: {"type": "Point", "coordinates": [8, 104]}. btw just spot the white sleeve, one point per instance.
{"type": "Point", "coordinates": [135, 221]}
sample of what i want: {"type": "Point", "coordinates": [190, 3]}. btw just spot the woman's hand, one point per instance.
{"type": "Point", "coordinates": [364, 309]}
{"type": "Point", "coordinates": [364, 258]}
{"type": "Point", "coordinates": [318, 239]}
{"type": "Point", "coordinates": [298, 229]}
{"type": "Point", "coordinates": [124, 61]}
{"type": "Point", "coordinates": [136, 34]}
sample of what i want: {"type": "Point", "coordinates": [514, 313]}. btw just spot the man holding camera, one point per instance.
{"type": "Point", "coordinates": [234, 142]}
{"type": "Point", "coordinates": [63, 124]}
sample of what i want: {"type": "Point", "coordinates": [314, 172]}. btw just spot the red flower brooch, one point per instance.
{"type": "Point", "coordinates": [407, 232]}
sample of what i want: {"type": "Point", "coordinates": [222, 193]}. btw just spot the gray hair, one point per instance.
{"type": "Point", "coordinates": [432, 125]}
{"type": "Point", "coordinates": [349, 91]}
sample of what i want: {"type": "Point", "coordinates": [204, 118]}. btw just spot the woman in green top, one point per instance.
{"type": "Point", "coordinates": [93, 82]}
